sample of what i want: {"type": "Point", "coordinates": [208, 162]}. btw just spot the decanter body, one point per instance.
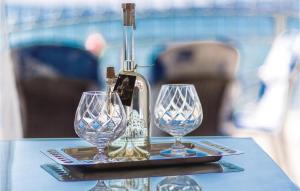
{"type": "Point", "coordinates": [134, 92]}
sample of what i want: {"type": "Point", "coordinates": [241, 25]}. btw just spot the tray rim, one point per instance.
{"type": "Point", "coordinates": [129, 164]}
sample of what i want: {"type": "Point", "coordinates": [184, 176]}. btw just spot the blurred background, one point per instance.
{"type": "Point", "coordinates": [241, 55]}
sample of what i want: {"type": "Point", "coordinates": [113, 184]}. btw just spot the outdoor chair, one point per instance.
{"type": "Point", "coordinates": [211, 66]}
{"type": "Point", "coordinates": [50, 80]}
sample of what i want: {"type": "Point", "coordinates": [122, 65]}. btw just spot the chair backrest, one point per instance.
{"type": "Point", "coordinates": [66, 61]}
{"type": "Point", "coordinates": [51, 79]}
{"type": "Point", "coordinates": [208, 58]}
{"type": "Point", "coordinates": [211, 67]}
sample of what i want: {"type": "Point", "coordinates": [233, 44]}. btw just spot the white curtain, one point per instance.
{"type": "Point", "coordinates": [10, 120]}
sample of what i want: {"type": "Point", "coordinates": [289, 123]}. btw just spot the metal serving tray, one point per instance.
{"type": "Point", "coordinates": [82, 157]}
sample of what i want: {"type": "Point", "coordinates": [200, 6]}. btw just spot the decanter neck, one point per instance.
{"type": "Point", "coordinates": [128, 36]}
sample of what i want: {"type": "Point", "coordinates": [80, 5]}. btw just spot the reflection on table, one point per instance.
{"type": "Point", "coordinates": [169, 183]}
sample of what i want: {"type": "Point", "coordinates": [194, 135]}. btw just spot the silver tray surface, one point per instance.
{"type": "Point", "coordinates": [82, 157]}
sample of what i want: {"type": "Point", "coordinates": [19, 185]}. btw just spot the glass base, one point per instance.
{"type": "Point", "coordinates": [182, 152]}
{"type": "Point", "coordinates": [100, 186]}
{"type": "Point", "coordinates": [101, 158]}
{"type": "Point", "coordinates": [129, 152]}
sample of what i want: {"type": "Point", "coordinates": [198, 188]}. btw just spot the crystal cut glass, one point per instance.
{"type": "Point", "coordinates": [100, 186]}
{"type": "Point", "coordinates": [131, 184]}
{"type": "Point", "coordinates": [100, 118]}
{"type": "Point", "coordinates": [178, 183]}
{"type": "Point", "coordinates": [178, 111]}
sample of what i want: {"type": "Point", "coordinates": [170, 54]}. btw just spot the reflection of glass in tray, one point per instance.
{"type": "Point", "coordinates": [85, 153]}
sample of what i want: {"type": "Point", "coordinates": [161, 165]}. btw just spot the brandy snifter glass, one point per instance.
{"type": "Point", "coordinates": [178, 111]}
{"type": "Point", "coordinates": [100, 119]}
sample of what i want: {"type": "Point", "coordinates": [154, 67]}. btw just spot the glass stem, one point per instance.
{"type": "Point", "coordinates": [101, 153]}
{"type": "Point", "coordinates": [178, 144]}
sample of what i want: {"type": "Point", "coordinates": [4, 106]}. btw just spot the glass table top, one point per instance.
{"type": "Point", "coordinates": [21, 160]}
